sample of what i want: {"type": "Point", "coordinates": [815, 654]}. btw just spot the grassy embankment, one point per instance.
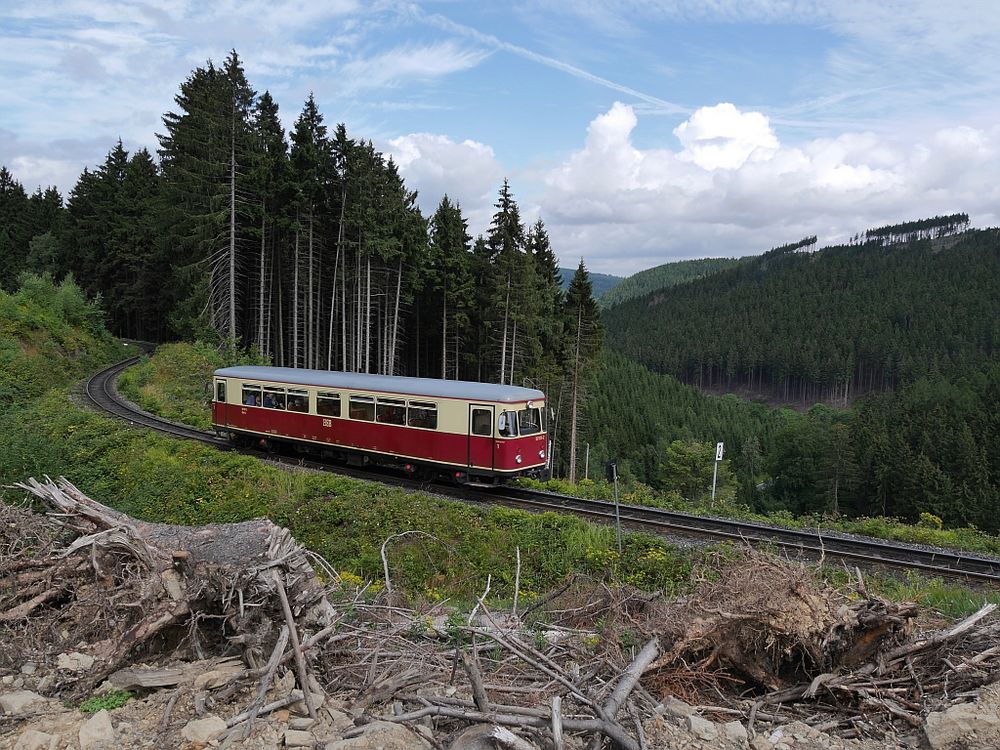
{"type": "Point", "coordinates": [49, 336]}
{"type": "Point", "coordinates": [182, 371]}
{"type": "Point", "coordinates": [346, 521]}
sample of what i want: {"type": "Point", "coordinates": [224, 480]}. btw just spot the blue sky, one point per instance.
{"type": "Point", "coordinates": [640, 131]}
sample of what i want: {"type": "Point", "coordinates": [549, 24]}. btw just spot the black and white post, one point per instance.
{"type": "Point", "coordinates": [715, 471]}
{"type": "Point", "coordinates": [611, 469]}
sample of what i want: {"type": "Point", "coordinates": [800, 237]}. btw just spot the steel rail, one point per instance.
{"type": "Point", "coordinates": [830, 544]}
{"type": "Point", "coordinates": [100, 390]}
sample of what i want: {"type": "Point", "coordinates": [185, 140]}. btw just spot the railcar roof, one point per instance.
{"type": "Point", "coordinates": [462, 389]}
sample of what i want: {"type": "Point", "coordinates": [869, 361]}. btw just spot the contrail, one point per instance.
{"type": "Point", "coordinates": [447, 24]}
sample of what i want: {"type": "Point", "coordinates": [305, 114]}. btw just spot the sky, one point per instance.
{"type": "Point", "coordinates": [639, 131]}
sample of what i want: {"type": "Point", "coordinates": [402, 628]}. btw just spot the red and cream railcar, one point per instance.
{"type": "Point", "coordinates": [474, 431]}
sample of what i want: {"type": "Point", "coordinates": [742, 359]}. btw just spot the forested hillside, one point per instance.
{"type": "Point", "coordinates": [669, 274]}
{"type": "Point", "coordinates": [902, 324]}
{"type": "Point", "coordinates": [824, 326]}
{"type": "Point", "coordinates": [634, 414]}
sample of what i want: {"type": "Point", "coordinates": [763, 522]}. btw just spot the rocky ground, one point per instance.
{"type": "Point", "coordinates": [30, 721]}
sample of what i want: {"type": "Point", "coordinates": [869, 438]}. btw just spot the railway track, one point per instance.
{"type": "Point", "coordinates": [100, 390]}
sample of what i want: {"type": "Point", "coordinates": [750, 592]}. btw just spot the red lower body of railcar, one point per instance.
{"type": "Point", "coordinates": [476, 455]}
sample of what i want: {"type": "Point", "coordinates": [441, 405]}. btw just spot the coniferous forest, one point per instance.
{"type": "Point", "coordinates": [309, 248]}
{"type": "Point", "coordinates": [895, 335]}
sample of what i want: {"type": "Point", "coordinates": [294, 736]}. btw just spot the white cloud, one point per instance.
{"type": "Point", "coordinates": [722, 137]}
{"type": "Point", "coordinates": [435, 165]}
{"type": "Point", "coordinates": [731, 188]}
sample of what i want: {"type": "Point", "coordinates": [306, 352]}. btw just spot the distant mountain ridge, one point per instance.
{"type": "Point", "coordinates": [660, 277]}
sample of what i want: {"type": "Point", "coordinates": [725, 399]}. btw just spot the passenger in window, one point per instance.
{"type": "Point", "coordinates": [250, 399]}
{"type": "Point", "coordinates": [269, 401]}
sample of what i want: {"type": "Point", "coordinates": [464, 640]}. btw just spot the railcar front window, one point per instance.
{"type": "Point", "coordinates": [424, 414]}
{"type": "Point", "coordinates": [362, 407]}
{"type": "Point", "coordinates": [530, 421]}
{"type": "Point", "coordinates": [298, 400]}
{"type": "Point", "coordinates": [390, 411]}
{"type": "Point", "coordinates": [328, 404]}
{"type": "Point", "coordinates": [220, 391]}
{"type": "Point", "coordinates": [274, 398]}
{"type": "Point", "coordinates": [251, 395]}
{"type": "Point", "coordinates": [507, 424]}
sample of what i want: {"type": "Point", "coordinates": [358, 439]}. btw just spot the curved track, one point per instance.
{"type": "Point", "coordinates": [100, 390]}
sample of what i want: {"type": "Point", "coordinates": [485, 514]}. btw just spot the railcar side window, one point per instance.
{"type": "Point", "coordinates": [274, 398]}
{"type": "Point", "coordinates": [482, 422]}
{"type": "Point", "coordinates": [423, 414]}
{"type": "Point", "coordinates": [530, 421]}
{"type": "Point", "coordinates": [362, 407]}
{"type": "Point", "coordinates": [507, 424]}
{"type": "Point", "coordinates": [298, 400]}
{"type": "Point", "coordinates": [251, 395]}
{"type": "Point", "coordinates": [390, 411]}
{"type": "Point", "coordinates": [328, 404]}
{"type": "Point", "coordinates": [220, 391]}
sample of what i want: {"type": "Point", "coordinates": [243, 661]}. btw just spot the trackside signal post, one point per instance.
{"type": "Point", "coordinates": [715, 471]}
{"type": "Point", "coordinates": [611, 469]}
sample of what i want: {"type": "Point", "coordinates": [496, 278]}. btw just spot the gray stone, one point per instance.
{"type": "Point", "coordinates": [339, 720]}
{"type": "Point", "coordinates": [301, 723]}
{"type": "Point", "coordinates": [382, 734]}
{"type": "Point", "coordinates": [963, 726]}
{"type": "Point", "coordinates": [97, 731]}
{"type": "Point", "coordinates": [45, 684]}
{"type": "Point", "coordinates": [735, 731]}
{"type": "Point", "coordinates": [7, 679]}
{"type": "Point", "coordinates": [701, 728]}
{"type": "Point", "coordinates": [298, 738]}
{"type": "Point", "coordinates": [28, 668]}
{"type": "Point", "coordinates": [675, 707]}
{"type": "Point", "coordinates": [284, 684]}
{"type": "Point", "coordinates": [75, 661]}
{"type": "Point", "coordinates": [203, 730]}
{"type": "Point", "coordinates": [760, 742]}
{"type": "Point", "coordinates": [19, 701]}
{"type": "Point", "coordinates": [476, 737]}
{"type": "Point", "coordinates": [301, 709]}
{"type": "Point", "coordinates": [212, 680]}
{"type": "Point", "coordinates": [32, 739]}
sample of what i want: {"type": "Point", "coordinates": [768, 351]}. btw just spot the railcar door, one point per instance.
{"type": "Point", "coordinates": [481, 436]}
{"type": "Point", "coordinates": [220, 414]}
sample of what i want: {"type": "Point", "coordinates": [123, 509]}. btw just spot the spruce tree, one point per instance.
{"type": "Point", "coordinates": [584, 342]}
{"type": "Point", "coordinates": [451, 280]}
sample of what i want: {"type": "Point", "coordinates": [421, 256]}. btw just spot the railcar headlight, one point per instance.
{"type": "Point", "coordinates": [517, 458]}
{"type": "Point", "coordinates": [541, 454]}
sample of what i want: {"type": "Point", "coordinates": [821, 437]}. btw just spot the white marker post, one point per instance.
{"type": "Point", "coordinates": [715, 472]}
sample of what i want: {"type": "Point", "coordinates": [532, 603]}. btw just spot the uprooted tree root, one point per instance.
{"type": "Point", "coordinates": [770, 624]}
{"type": "Point", "coordinates": [87, 577]}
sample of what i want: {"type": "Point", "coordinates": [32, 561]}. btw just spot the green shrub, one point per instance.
{"type": "Point", "coordinates": [50, 335]}
{"type": "Point", "coordinates": [108, 702]}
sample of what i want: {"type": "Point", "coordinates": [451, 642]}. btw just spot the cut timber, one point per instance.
{"type": "Point", "coordinates": [181, 586]}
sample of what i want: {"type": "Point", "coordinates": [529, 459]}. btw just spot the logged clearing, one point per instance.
{"type": "Point", "coordinates": [235, 635]}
